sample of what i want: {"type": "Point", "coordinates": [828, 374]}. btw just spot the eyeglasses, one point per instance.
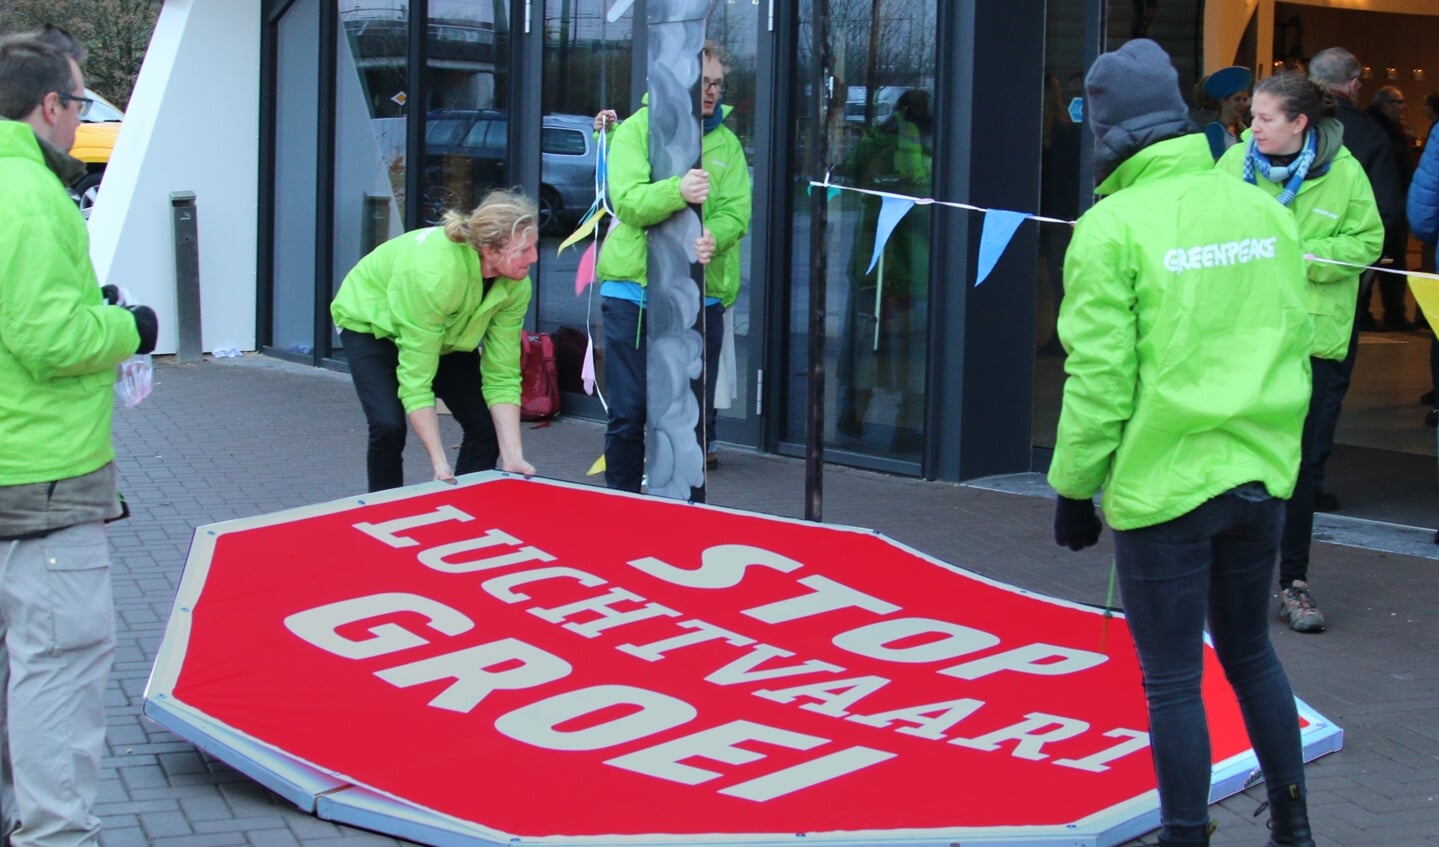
{"type": "Point", "coordinates": [85, 102]}
{"type": "Point", "coordinates": [715, 85]}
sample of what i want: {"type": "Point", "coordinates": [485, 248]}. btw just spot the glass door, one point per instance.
{"type": "Point", "coordinates": [876, 325]}
{"type": "Point", "coordinates": [590, 63]}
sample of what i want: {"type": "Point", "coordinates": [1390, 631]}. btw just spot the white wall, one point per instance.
{"type": "Point", "coordinates": [192, 125]}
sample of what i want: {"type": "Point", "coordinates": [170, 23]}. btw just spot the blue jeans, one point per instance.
{"type": "Point", "coordinates": [625, 381]}
{"type": "Point", "coordinates": [1214, 562]}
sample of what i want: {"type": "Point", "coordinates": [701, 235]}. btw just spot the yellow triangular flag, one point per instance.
{"type": "Point", "coordinates": [597, 467]}
{"type": "Point", "coordinates": [1426, 293]}
{"type": "Point", "coordinates": [585, 230]}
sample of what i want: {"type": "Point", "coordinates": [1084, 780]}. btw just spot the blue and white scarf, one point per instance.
{"type": "Point", "coordinates": [1291, 175]}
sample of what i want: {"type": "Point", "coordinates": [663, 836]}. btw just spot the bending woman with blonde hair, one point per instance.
{"type": "Point", "coordinates": [412, 315]}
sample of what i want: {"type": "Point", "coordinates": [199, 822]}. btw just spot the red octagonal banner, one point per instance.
{"type": "Point", "coordinates": [522, 661]}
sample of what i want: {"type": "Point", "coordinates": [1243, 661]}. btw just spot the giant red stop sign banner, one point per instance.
{"type": "Point", "coordinates": [523, 661]}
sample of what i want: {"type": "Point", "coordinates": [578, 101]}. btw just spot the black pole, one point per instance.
{"type": "Point", "coordinates": [818, 267]}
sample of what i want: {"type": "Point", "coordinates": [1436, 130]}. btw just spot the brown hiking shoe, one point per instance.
{"type": "Point", "coordinates": [1298, 609]}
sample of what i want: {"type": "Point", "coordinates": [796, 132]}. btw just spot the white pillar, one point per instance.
{"type": "Point", "coordinates": [192, 125]}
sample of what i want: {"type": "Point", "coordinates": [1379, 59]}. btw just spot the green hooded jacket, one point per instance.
{"type": "Point", "coordinates": [1338, 219]}
{"type": "Point", "coordinates": [640, 203]}
{"type": "Point", "coordinates": [424, 291]}
{"type": "Point", "coordinates": [59, 341]}
{"type": "Point", "coordinates": [1188, 337]}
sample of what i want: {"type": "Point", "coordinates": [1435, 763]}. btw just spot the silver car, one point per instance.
{"type": "Point", "coordinates": [465, 155]}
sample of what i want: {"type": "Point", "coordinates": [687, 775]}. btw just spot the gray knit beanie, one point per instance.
{"type": "Point", "coordinates": [1134, 81]}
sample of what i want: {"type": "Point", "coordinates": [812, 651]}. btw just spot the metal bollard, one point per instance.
{"type": "Point", "coordinates": [375, 228]}
{"type": "Point", "coordinates": [187, 277]}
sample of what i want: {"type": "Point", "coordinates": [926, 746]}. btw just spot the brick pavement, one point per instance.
{"type": "Point", "coordinates": [235, 438]}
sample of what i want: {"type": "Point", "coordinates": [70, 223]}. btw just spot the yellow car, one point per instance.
{"type": "Point", "coordinates": [94, 140]}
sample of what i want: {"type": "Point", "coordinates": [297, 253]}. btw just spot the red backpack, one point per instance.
{"type": "Point", "coordinates": [539, 384]}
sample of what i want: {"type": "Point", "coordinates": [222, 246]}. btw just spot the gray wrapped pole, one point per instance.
{"type": "Point", "coordinates": [674, 457]}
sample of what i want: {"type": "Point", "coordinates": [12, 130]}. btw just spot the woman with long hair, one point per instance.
{"type": "Point", "coordinates": [1294, 151]}
{"type": "Point", "coordinates": [412, 316]}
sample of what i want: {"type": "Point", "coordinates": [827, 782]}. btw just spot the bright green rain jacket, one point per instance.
{"type": "Point", "coordinates": [640, 203]}
{"type": "Point", "coordinates": [59, 341]}
{"type": "Point", "coordinates": [423, 290]}
{"type": "Point", "coordinates": [1184, 317]}
{"type": "Point", "coordinates": [1338, 219]}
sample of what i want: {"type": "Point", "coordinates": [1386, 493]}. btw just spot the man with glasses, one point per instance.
{"type": "Point", "coordinates": [722, 186]}
{"type": "Point", "coordinates": [59, 345]}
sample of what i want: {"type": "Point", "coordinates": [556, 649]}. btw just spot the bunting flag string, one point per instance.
{"type": "Point", "coordinates": [1424, 285]}
{"type": "Point", "coordinates": [891, 212]}
{"type": "Point", "coordinates": [585, 275]}
{"type": "Point", "coordinates": [1000, 226]}
{"type": "Point", "coordinates": [1380, 268]}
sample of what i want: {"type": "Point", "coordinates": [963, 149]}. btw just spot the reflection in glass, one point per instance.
{"type": "Point", "coordinates": [586, 68]}
{"type": "Point", "coordinates": [466, 113]}
{"type": "Point", "coordinates": [1063, 193]}
{"type": "Point", "coordinates": [371, 99]}
{"type": "Point", "coordinates": [734, 26]}
{"type": "Point", "coordinates": [297, 90]}
{"type": "Point", "coordinates": [881, 136]}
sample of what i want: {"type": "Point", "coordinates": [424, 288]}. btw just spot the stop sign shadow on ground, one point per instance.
{"type": "Point", "coordinates": [514, 661]}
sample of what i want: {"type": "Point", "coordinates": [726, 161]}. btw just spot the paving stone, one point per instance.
{"type": "Point", "coordinates": [239, 437]}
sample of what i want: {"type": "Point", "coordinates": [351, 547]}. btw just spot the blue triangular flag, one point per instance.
{"type": "Point", "coordinates": [999, 227]}
{"type": "Point", "coordinates": [890, 213]}
{"type": "Point", "coordinates": [833, 193]}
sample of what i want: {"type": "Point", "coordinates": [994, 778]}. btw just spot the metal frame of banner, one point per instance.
{"type": "Point", "coordinates": [335, 797]}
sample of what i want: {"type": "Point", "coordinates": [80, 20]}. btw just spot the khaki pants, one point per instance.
{"type": "Point", "coordinates": [57, 643]}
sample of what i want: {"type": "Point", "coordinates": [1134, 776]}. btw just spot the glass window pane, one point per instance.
{"type": "Point", "coordinates": [297, 90]}
{"type": "Point", "coordinates": [1062, 191]}
{"type": "Point", "coordinates": [586, 68]}
{"type": "Point", "coordinates": [371, 107]}
{"type": "Point", "coordinates": [562, 142]}
{"type": "Point", "coordinates": [735, 27]}
{"type": "Point", "coordinates": [881, 137]}
{"type": "Point", "coordinates": [467, 80]}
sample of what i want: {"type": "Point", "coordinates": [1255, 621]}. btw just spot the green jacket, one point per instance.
{"type": "Point", "coordinates": [1184, 317]}
{"type": "Point", "coordinates": [59, 341]}
{"type": "Point", "coordinates": [424, 291]}
{"type": "Point", "coordinates": [1338, 219]}
{"type": "Point", "coordinates": [640, 203]}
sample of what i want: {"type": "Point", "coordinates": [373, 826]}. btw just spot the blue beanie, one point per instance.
{"type": "Point", "coordinates": [1227, 81]}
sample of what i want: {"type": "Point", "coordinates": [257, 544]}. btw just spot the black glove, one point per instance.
{"type": "Point", "coordinates": [1075, 524]}
{"type": "Point", "coordinates": [111, 293]}
{"type": "Point", "coordinates": [147, 325]}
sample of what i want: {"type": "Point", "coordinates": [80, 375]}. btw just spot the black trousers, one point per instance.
{"type": "Point", "coordinates": [626, 377]}
{"type": "Point", "coordinates": [1330, 384]}
{"type": "Point", "coordinates": [373, 365]}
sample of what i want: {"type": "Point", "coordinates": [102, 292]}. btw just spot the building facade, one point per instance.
{"type": "Point", "coordinates": [371, 117]}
